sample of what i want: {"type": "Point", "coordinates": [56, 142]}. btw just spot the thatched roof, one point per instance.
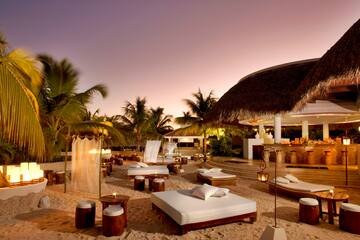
{"type": "Point", "coordinates": [340, 65]}
{"type": "Point", "coordinates": [189, 131]}
{"type": "Point", "coordinates": [264, 92]}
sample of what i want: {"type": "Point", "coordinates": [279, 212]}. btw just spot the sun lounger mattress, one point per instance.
{"type": "Point", "coordinates": [306, 187]}
{"type": "Point", "coordinates": [217, 175]}
{"type": "Point", "coordinates": [148, 170]}
{"type": "Point", "coordinates": [187, 209]}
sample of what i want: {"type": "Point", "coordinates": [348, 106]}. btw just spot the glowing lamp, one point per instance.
{"type": "Point", "coordinates": [93, 151]}
{"type": "Point", "coordinates": [1, 169]}
{"type": "Point", "coordinates": [114, 195]}
{"type": "Point", "coordinates": [331, 191]}
{"type": "Point", "coordinates": [14, 175]}
{"type": "Point", "coordinates": [263, 176]}
{"type": "Point", "coordinates": [24, 166]}
{"type": "Point", "coordinates": [346, 141]}
{"type": "Point", "coordinates": [26, 177]}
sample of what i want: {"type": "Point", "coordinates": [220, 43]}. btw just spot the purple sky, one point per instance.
{"type": "Point", "coordinates": [166, 50]}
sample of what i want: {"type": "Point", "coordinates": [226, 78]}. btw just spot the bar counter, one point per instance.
{"type": "Point", "coordinates": [317, 154]}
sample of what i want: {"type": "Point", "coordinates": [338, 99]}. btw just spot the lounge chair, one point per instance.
{"type": "Point", "coordinates": [297, 189]}
{"type": "Point", "coordinates": [215, 177]}
{"type": "Point", "coordinates": [147, 171]}
{"type": "Point", "coordinates": [192, 213]}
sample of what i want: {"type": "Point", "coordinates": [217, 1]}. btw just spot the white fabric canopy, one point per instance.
{"type": "Point", "coordinates": [151, 150]}
{"type": "Point", "coordinates": [85, 165]}
{"type": "Point", "coordinates": [169, 149]}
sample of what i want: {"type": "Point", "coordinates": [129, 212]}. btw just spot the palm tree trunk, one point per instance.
{"type": "Point", "coordinates": [67, 139]}
{"type": "Point", "coordinates": [204, 145]}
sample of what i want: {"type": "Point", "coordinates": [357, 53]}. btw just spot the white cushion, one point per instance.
{"type": "Point", "coordinates": [159, 180]}
{"type": "Point", "coordinates": [204, 192]}
{"type": "Point", "coordinates": [113, 210]}
{"type": "Point", "coordinates": [306, 187]}
{"type": "Point", "coordinates": [309, 201]}
{"type": "Point", "coordinates": [140, 177]}
{"type": "Point", "coordinates": [148, 170]}
{"type": "Point", "coordinates": [282, 180]}
{"type": "Point", "coordinates": [219, 175]}
{"type": "Point", "coordinates": [185, 209]}
{"type": "Point", "coordinates": [83, 204]}
{"type": "Point", "coordinates": [221, 192]}
{"type": "Point", "coordinates": [134, 166]}
{"type": "Point", "coordinates": [215, 170]}
{"type": "Point", "coordinates": [141, 164]}
{"type": "Point", "coordinates": [350, 207]}
{"type": "Point", "coordinates": [202, 170]}
{"type": "Point", "coordinates": [292, 178]}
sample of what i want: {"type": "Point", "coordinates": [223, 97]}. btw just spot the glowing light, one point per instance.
{"type": "Point", "coordinates": [346, 141]}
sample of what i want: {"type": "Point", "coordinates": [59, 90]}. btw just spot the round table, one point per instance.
{"type": "Point", "coordinates": [115, 200]}
{"type": "Point", "coordinates": [339, 195]}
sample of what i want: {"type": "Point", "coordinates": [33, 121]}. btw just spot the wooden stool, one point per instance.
{"type": "Point", "coordinates": [349, 219]}
{"type": "Point", "coordinates": [139, 183]}
{"type": "Point", "coordinates": [293, 159]}
{"type": "Point", "coordinates": [49, 175]}
{"type": "Point", "coordinates": [310, 157]}
{"type": "Point", "coordinates": [327, 157]}
{"type": "Point", "coordinates": [113, 220]}
{"type": "Point", "coordinates": [309, 211]}
{"type": "Point", "coordinates": [59, 177]}
{"type": "Point", "coordinates": [85, 214]}
{"type": "Point", "coordinates": [158, 185]}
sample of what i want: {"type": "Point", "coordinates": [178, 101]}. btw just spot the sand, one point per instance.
{"type": "Point", "coordinates": [145, 223]}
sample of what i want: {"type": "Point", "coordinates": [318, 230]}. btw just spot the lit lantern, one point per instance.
{"type": "Point", "coordinates": [262, 176]}
{"type": "Point", "coordinates": [24, 166]}
{"type": "Point", "coordinates": [346, 141]}
{"type": "Point", "coordinates": [14, 175]}
{"type": "Point", "coordinates": [32, 166]}
{"type": "Point", "coordinates": [1, 169]}
{"type": "Point", "coordinates": [26, 177]}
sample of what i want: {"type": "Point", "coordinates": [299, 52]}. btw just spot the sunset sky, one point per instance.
{"type": "Point", "coordinates": [166, 50]}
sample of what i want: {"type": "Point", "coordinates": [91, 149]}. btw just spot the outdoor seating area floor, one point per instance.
{"type": "Point", "coordinates": [145, 223]}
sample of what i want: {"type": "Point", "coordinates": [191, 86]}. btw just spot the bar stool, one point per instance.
{"type": "Point", "coordinates": [327, 157]}
{"type": "Point", "coordinates": [158, 185]}
{"type": "Point", "coordinates": [59, 177]}
{"type": "Point", "coordinates": [293, 159]}
{"type": "Point", "coordinates": [49, 175]}
{"type": "Point", "coordinates": [349, 219]}
{"type": "Point", "coordinates": [309, 211]}
{"type": "Point", "coordinates": [310, 157]}
{"type": "Point", "coordinates": [85, 214]}
{"type": "Point", "coordinates": [113, 220]}
{"type": "Point", "coordinates": [139, 183]}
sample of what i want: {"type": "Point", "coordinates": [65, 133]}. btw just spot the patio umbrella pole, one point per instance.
{"type": "Point", "coordinates": [101, 138]}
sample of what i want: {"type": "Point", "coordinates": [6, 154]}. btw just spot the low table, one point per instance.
{"type": "Point", "coordinates": [115, 200]}
{"type": "Point", "coordinates": [331, 199]}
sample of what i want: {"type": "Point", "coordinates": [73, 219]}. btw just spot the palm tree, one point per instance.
{"type": "Point", "coordinates": [135, 119]}
{"type": "Point", "coordinates": [63, 108]}
{"type": "Point", "coordinates": [199, 107]}
{"type": "Point", "coordinates": [159, 121]}
{"type": "Point", "coordinates": [19, 111]}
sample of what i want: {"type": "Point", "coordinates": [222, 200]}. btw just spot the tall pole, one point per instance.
{"type": "Point", "coordinates": [276, 151]}
{"type": "Point", "coordinates": [101, 139]}
{"type": "Point", "coordinates": [67, 139]}
{"type": "Point", "coordinates": [346, 164]}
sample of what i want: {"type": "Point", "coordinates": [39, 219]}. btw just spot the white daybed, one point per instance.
{"type": "Point", "coordinates": [146, 171]}
{"type": "Point", "coordinates": [215, 177]}
{"type": "Point", "coordinates": [192, 213]}
{"type": "Point", "coordinates": [299, 188]}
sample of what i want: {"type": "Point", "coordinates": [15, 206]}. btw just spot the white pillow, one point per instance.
{"type": "Point", "coordinates": [203, 170]}
{"type": "Point", "coordinates": [215, 170]}
{"type": "Point", "coordinates": [282, 180]}
{"type": "Point", "coordinates": [291, 178]}
{"type": "Point", "coordinates": [204, 192]}
{"type": "Point", "coordinates": [134, 166]}
{"type": "Point", "coordinates": [141, 164]}
{"type": "Point", "coordinates": [221, 192]}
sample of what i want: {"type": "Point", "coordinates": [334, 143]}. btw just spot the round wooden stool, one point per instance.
{"type": "Point", "coordinates": [293, 158]}
{"type": "Point", "coordinates": [310, 157]}
{"type": "Point", "coordinates": [139, 183]}
{"type": "Point", "coordinates": [59, 177]}
{"type": "Point", "coordinates": [85, 214]}
{"type": "Point", "coordinates": [327, 156]}
{"type": "Point", "coordinates": [309, 211]}
{"type": "Point", "coordinates": [349, 219]}
{"type": "Point", "coordinates": [158, 185]}
{"type": "Point", "coordinates": [113, 221]}
{"type": "Point", "coordinates": [49, 175]}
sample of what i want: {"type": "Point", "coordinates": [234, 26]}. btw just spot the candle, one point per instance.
{"type": "Point", "coordinates": [114, 195]}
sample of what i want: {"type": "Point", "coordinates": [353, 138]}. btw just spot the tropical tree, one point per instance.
{"type": "Point", "coordinates": [199, 107]}
{"type": "Point", "coordinates": [63, 108]}
{"type": "Point", "coordinates": [20, 79]}
{"type": "Point", "coordinates": [159, 122]}
{"type": "Point", "coordinates": [135, 119]}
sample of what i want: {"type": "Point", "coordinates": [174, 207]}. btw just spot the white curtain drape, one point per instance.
{"type": "Point", "coordinates": [169, 149]}
{"type": "Point", "coordinates": [85, 165]}
{"type": "Point", "coordinates": [151, 150]}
